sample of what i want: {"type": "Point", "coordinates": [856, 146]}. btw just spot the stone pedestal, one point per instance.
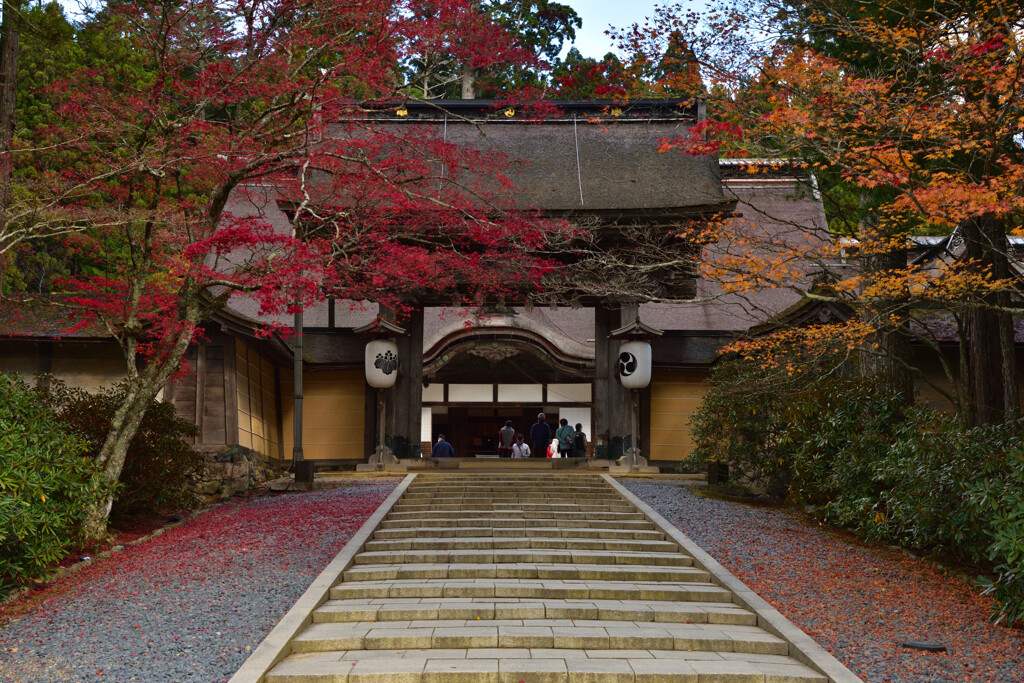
{"type": "Point", "coordinates": [632, 463]}
{"type": "Point", "coordinates": [381, 458]}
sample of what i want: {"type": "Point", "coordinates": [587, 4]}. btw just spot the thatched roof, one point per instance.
{"type": "Point", "coordinates": [44, 316]}
{"type": "Point", "coordinates": [584, 159]}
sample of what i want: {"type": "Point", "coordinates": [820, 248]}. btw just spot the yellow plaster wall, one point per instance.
{"type": "Point", "coordinates": [82, 365]}
{"type": "Point", "coordinates": [675, 396]}
{"type": "Point", "coordinates": [333, 413]}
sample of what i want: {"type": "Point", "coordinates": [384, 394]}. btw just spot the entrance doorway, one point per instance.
{"type": "Point", "coordinates": [472, 426]}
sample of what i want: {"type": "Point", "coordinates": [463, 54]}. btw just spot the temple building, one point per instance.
{"type": "Point", "coordinates": [465, 372]}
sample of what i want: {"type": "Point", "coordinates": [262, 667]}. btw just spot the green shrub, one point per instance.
{"type": "Point", "coordinates": [46, 484]}
{"type": "Point", "coordinates": [912, 477]}
{"type": "Point", "coordinates": [752, 417]}
{"type": "Point", "coordinates": [996, 498]}
{"type": "Point", "coordinates": [161, 469]}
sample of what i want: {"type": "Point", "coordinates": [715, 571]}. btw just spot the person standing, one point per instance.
{"type": "Point", "coordinates": [442, 449]}
{"type": "Point", "coordinates": [506, 437]}
{"type": "Point", "coordinates": [564, 435]}
{"type": "Point", "coordinates": [540, 435]}
{"type": "Point", "coordinates": [519, 448]}
{"type": "Point", "coordinates": [579, 442]}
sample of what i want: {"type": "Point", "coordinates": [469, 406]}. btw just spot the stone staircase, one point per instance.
{"type": "Point", "coordinates": [529, 577]}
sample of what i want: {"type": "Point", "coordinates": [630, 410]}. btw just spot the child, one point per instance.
{"type": "Point", "coordinates": [519, 448]}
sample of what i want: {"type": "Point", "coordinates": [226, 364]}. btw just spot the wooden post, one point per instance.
{"type": "Point", "coordinates": [201, 390]}
{"type": "Point", "coordinates": [406, 402]}
{"type": "Point", "coordinates": [231, 393]}
{"type": "Point", "coordinates": [611, 399]}
{"type": "Point", "coordinates": [297, 396]}
{"type": "Point", "coordinates": [303, 469]}
{"type": "Point", "coordinates": [381, 426]}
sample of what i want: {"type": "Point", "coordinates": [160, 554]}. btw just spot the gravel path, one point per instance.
{"type": "Point", "coordinates": [858, 602]}
{"type": "Point", "coordinates": [189, 605]}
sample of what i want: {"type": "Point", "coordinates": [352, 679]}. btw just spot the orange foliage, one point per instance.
{"type": "Point", "coordinates": [923, 115]}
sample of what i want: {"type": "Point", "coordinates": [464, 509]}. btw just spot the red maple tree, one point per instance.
{"type": "Point", "coordinates": [215, 115]}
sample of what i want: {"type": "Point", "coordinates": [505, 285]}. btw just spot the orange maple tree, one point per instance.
{"type": "Point", "coordinates": [909, 117]}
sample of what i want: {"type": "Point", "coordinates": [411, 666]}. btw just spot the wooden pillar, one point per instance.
{"type": "Point", "coordinates": [611, 399]}
{"type": "Point", "coordinates": [45, 366]}
{"type": "Point", "coordinates": [371, 418]}
{"type": "Point", "coordinates": [406, 398]}
{"type": "Point", "coordinates": [645, 422]}
{"type": "Point", "coordinates": [201, 390]}
{"type": "Point", "coordinates": [231, 394]}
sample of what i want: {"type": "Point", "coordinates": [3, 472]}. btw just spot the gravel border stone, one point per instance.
{"type": "Point", "coordinates": [858, 602]}
{"type": "Point", "coordinates": [192, 603]}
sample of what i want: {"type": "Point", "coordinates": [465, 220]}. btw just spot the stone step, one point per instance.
{"type": "Point", "coordinates": [521, 665]}
{"type": "Point", "coordinates": [554, 481]}
{"type": "Point", "coordinates": [602, 493]}
{"type": "Point", "coordinates": [496, 507]}
{"type": "Point", "coordinates": [522, 488]}
{"type": "Point", "coordinates": [531, 588]}
{"type": "Point", "coordinates": [524, 556]}
{"type": "Point", "coordinates": [527, 578]}
{"type": "Point", "coordinates": [511, 487]}
{"type": "Point", "coordinates": [482, 483]}
{"type": "Point", "coordinates": [512, 521]}
{"type": "Point", "coordinates": [505, 488]}
{"type": "Point", "coordinates": [529, 491]}
{"type": "Point", "coordinates": [456, 476]}
{"type": "Point", "coordinates": [401, 609]}
{"type": "Point", "coordinates": [532, 497]}
{"type": "Point", "coordinates": [537, 633]}
{"type": "Point", "coordinates": [547, 531]}
{"type": "Point", "coordinates": [515, 513]}
{"type": "Point", "coordinates": [507, 543]}
{"type": "Point", "coordinates": [502, 486]}
{"type": "Point", "coordinates": [518, 570]}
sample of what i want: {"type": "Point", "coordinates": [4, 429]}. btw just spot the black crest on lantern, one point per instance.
{"type": "Point", "coordinates": [627, 364]}
{"type": "Point", "coordinates": [386, 362]}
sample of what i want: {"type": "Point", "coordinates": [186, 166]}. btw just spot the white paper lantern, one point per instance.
{"type": "Point", "coordinates": [381, 363]}
{"type": "Point", "coordinates": [635, 364]}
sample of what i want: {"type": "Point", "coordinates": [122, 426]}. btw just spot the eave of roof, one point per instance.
{"type": "Point", "coordinates": [564, 110]}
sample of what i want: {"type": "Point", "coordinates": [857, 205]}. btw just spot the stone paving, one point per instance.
{"type": "Point", "coordinates": [529, 578]}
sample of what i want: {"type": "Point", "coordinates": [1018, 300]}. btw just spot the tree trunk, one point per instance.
{"type": "Point", "coordinates": [886, 356]}
{"type": "Point", "coordinates": [990, 352]}
{"type": "Point", "coordinates": [468, 83]}
{"type": "Point", "coordinates": [966, 398]}
{"type": "Point", "coordinates": [1011, 393]}
{"type": "Point", "coordinates": [9, 36]}
{"type": "Point", "coordinates": [123, 427]}
{"type": "Point", "coordinates": [142, 391]}
{"type": "Point", "coordinates": [468, 72]}
{"type": "Point", "coordinates": [984, 353]}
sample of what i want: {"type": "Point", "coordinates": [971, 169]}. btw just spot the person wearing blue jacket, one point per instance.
{"type": "Point", "coordinates": [564, 435]}
{"type": "Point", "coordinates": [540, 437]}
{"type": "Point", "coordinates": [442, 449]}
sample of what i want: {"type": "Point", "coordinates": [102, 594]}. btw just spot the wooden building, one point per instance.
{"type": "Point", "coordinates": [462, 372]}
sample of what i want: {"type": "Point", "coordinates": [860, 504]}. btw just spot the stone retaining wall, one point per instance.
{"type": "Point", "coordinates": [233, 469]}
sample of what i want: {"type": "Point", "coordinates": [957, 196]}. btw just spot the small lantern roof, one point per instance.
{"type": "Point", "coordinates": [381, 328]}
{"type": "Point", "coordinates": [636, 330]}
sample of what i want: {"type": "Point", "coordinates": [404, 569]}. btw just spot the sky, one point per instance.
{"type": "Point", "coordinates": [597, 15]}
